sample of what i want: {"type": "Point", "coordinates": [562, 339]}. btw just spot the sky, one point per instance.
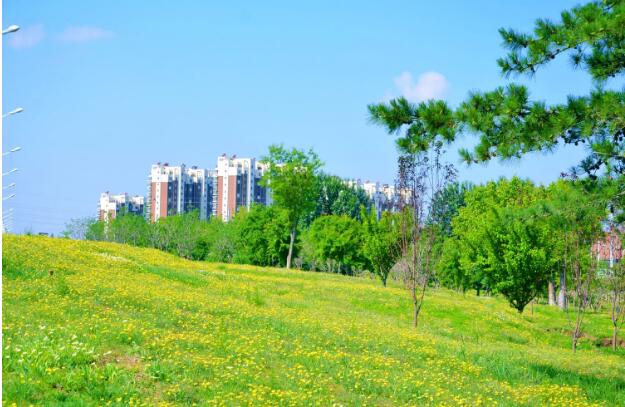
{"type": "Point", "coordinates": [110, 87]}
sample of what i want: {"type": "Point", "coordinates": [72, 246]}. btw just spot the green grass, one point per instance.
{"type": "Point", "coordinates": [98, 323]}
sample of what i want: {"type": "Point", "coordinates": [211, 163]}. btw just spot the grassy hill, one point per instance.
{"type": "Point", "coordinates": [91, 323]}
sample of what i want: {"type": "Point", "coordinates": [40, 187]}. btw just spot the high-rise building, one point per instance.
{"type": "Point", "coordinates": [383, 196]}
{"type": "Point", "coordinates": [237, 185]}
{"type": "Point", "coordinates": [112, 205]}
{"type": "Point", "coordinates": [176, 190]}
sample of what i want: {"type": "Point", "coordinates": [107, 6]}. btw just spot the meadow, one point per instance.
{"type": "Point", "coordinates": [94, 323]}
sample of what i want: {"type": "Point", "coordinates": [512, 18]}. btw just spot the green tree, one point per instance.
{"type": "Point", "coordinates": [576, 211]}
{"type": "Point", "coordinates": [335, 197]}
{"type": "Point", "coordinates": [520, 256]}
{"type": "Point", "coordinates": [292, 176]}
{"type": "Point", "coordinates": [96, 231]}
{"type": "Point", "coordinates": [501, 242]}
{"type": "Point", "coordinates": [381, 242]}
{"type": "Point", "coordinates": [128, 228]}
{"type": "Point", "coordinates": [334, 244]}
{"type": "Point", "coordinates": [447, 204]}
{"type": "Point", "coordinates": [78, 228]}
{"type": "Point", "coordinates": [508, 123]}
{"type": "Point", "coordinates": [262, 236]}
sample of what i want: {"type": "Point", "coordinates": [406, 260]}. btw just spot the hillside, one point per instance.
{"type": "Point", "coordinates": [92, 323]}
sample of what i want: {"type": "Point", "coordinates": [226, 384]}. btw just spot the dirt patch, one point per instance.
{"type": "Point", "coordinates": [126, 361]}
{"type": "Point", "coordinates": [607, 343]}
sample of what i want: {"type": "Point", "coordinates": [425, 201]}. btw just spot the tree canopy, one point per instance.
{"type": "Point", "coordinates": [508, 123]}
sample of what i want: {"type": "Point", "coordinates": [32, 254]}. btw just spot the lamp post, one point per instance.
{"type": "Point", "coordinates": [13, 150]}
{"type": "Point", "coordinates": [10, 29]}
{"type": "Point", "coordinates": [12, 112]}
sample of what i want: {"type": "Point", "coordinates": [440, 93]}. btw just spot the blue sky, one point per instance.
{"type": "Point", "coordinates": [110, 87]}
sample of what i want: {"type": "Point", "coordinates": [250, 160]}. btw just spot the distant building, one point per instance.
{"type": "Point", "coordinates": [112, 205]}
{"type": "Point", "coordinates": [176, 190]}
{"type": "Point", "coordinates": [237, 185]}
{"type": "Point", "coordinates": [383, 196]}
{"type": "Point", "coordinates": [609, 248]}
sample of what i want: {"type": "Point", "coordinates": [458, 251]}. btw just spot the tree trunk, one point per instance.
{"type": "Point", "coordinates": [415, 309]}
{"type": "Point", "coordinates": [562, 294]}
{"type": "Point", "coordinates": [551, 292]}
{"type": "Point", "coordinates": [290, 255]}
{"type": "Point", "coordinates": [614, 337]}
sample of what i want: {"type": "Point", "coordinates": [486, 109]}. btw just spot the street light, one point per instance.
{"type": "Point", "coordinates": [13, 150]}
{"type": "Point", "coordinates": [10, 29]}
{"type": "Point", "coordinates": [14, 111]}
{"type": "Point", "coordinates": [10, 172]}
{"type": "Point", "coordinates": [8, 197]}
{"type": "Point", "coordinates": [11, 185]}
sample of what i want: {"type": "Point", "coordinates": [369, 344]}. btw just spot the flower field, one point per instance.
{"type": "Point", "coordinates": [89, 323]}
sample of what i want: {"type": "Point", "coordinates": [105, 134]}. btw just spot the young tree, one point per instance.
{"type": "Point", "coordinates": [381, 242]}
{"type": "Point", "coordinates": [520, 255]}
{"type": "Point", "coordinates": [292, 176]}
{"type": "Point", "coordinates": [78, 228]}
{"type": "Point", "coordinates": [421, 177]}
{"type": "Point", "coordinates": [486, 233]}
{"type": "Point", "coordinates": [616, 288]}
{"type": "Point", "coordinates": [577, 209]}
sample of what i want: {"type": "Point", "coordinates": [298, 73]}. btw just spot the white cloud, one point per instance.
{"type": "Point", "coordinates": [80, 34]}
{"type": "Point", "coordinates": [27, 37]}
{"type": "Point", "coordinates": [429, 85]}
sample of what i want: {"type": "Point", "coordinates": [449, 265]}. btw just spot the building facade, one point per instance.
{"type": "Point", "coordinates": [174, 190]}
{"type": "Point", "coordinates": [237, 185]}
{"type": "Point", "coordinates": [112, 205]}
{"type": "Point", "coordinates": [383, 196]}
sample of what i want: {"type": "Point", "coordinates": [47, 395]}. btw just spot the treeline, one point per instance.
{"type": "Point", "coordinates": [259, 236]}
{"type": "Point", "coordinates": [509, 237]}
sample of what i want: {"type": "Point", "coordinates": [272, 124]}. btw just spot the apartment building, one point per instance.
{"type": "Point", "coordinates": [237, 185]}
{"type": "Point", "coordinates": [175, 190]}
{"type": "Point", "coordinates": [112, 205]}
{"type": "Point", "coordinates": [383, 196]}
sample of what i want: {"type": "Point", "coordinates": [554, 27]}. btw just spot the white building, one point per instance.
{"type": "Point", "coordinates": [111, 205]}
{"type": "Point", "coordinates": [175, 190]}
{"type": "Point", "coordinates": [237, 185]}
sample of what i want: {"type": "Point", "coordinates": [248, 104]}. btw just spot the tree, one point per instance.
{"type": "Point", "coordinates": [447, 204]}
{"type": "Point", "coordinates": [292, 176]}
{"type": "Point", "coordinates": [381, 242]}
{"type": "Point", "coordinates": [78, 228]}
{"type": "Point", "coordinates": [421, 177]}
{"type": "Point", "coordinates": [576, 210]}
{"type": "Point", "coordinates": [335, 197]}
{"type": "Point", "coordinates": [262, 236]}
{"type": "Point", "coordinates": [616, 284]}
{"type": "Point", "coordinates": [501, 241]}
{"type": "Point", "coordinates": [335, 242]}
{"type": "Point", "coordinates": [96, 231]}
{"type": "Point", "coordinates": [520, 255]}
{"type": "Point", "coordinates": [128, 228]}
{"type": "Point", "coordinates": [508, 124]}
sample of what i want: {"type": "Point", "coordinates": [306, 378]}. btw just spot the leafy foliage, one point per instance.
{"type": "Point", "coordinates": [333, 243]}
{"type": "Point", "coordinates": [381, 242]}
{"type": "Point", "coordinates": [508, 123]}
{"type": "Point", "coordinates": [292, 176]}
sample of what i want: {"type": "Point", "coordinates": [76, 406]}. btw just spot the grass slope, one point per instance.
{"type": "Point", "coordinates": [98, 323]}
